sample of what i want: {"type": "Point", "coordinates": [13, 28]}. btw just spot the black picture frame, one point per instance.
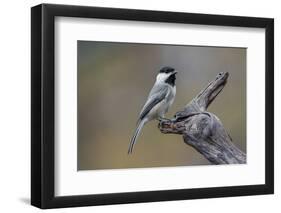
{"type": "Point", "coordinates": [43, 110]}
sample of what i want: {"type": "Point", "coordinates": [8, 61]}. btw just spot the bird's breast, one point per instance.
{"type": "Point", "coordinates": [171, 95]}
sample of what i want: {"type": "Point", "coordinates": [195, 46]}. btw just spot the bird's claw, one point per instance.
{"type": "Point", "coordinates": [160, 119]}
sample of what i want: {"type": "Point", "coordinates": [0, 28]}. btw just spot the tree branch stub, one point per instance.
{"type": "Point", "coordinates": [203, 130]}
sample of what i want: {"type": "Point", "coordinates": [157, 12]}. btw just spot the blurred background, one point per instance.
{"type": "Point", "coordinates": [114, 80]}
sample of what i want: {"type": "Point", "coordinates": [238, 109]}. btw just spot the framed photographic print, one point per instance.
{"type": "Point", "coordinates": [139, 106]}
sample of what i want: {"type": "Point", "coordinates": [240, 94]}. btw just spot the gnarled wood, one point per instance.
{"type": "Point", "coordinates": [203, 130]}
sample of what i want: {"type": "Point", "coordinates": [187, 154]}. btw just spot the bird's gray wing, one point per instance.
{"type": "Point", "coordinates": [157, 94]}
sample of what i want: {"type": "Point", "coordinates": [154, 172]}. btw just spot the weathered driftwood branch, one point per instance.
{"type": "Point", "coordinates": [203, 130]}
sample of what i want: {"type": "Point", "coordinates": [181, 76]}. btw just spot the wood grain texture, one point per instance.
{"type": "Point", "coordinates": [203, 130]}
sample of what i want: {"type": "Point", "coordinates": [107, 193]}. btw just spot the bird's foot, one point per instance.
{"type": "Point", "coordinates": [161, 119]}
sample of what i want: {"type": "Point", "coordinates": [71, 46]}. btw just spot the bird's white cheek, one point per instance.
{"type": "Point", "coordinates": [161, 77]}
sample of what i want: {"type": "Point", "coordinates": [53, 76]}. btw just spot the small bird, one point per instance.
{"type": "Point", "coordinates": [159, 100]}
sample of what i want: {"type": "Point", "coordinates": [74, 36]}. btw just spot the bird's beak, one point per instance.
{"type": "Point", "coordinates": [175, 72]}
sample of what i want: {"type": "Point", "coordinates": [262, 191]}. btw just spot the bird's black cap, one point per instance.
{"type": "Point", "coordinates": [167, 70]}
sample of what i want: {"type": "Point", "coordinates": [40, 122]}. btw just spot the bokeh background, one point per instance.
{"type": "Point", "coordinates": [114, 80]}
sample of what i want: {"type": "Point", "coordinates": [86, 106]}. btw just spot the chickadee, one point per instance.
{"type": "Point", "coordinates": [159, 100]}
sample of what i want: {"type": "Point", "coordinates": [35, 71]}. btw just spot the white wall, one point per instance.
{"type": "Point", "coordinates": [15, 105]}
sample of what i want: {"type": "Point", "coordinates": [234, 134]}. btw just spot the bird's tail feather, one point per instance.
{"type": "Point", "coordinates": [136, 135]}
